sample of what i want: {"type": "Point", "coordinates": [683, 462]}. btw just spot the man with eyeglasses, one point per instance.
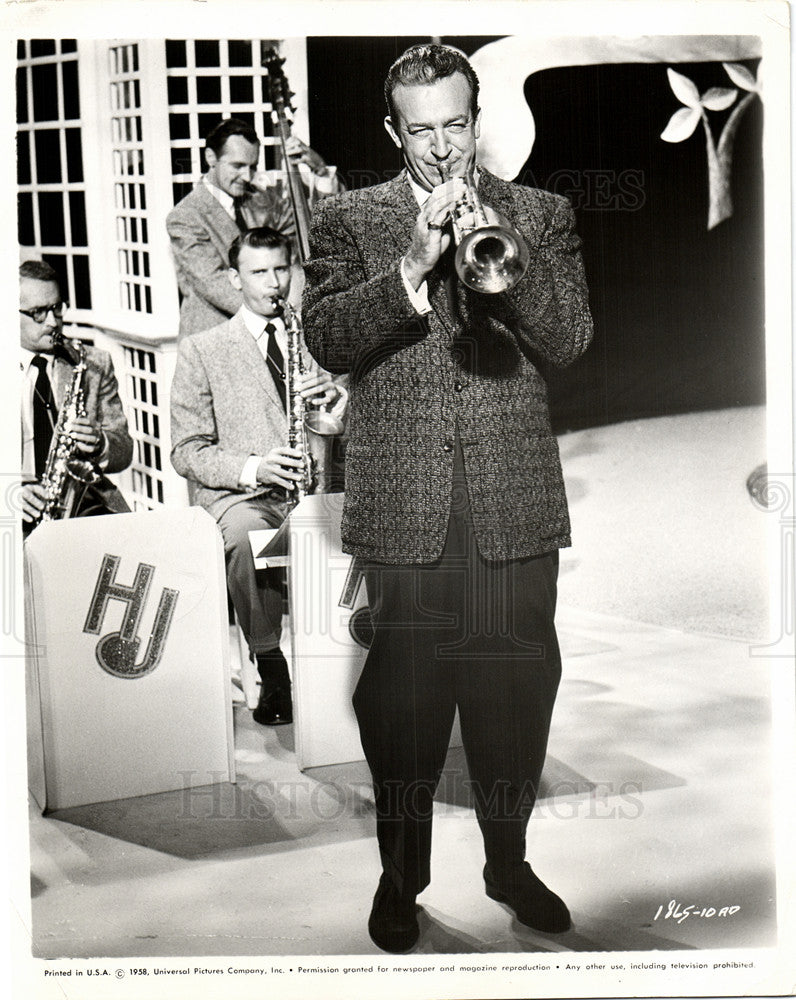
{"type": "Point", "coordinates": [47, 372]}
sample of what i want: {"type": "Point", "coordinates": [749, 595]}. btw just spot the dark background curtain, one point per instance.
{"type": "Point", "coordinates": [678, 309]}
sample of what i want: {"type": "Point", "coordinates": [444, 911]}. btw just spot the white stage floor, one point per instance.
{"type": "Point", "coordinates": [658, 783]}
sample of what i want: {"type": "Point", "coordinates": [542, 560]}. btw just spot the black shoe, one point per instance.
{"type": "Point", "coordinates": [534, 904]}
{"type": "Point", "coordinates": [393, 920]}
{"type": "Point", "coordinates": [274, 708]}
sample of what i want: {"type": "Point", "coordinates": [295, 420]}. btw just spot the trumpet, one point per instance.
{"type": "Point", "coordinates": [489, 258]}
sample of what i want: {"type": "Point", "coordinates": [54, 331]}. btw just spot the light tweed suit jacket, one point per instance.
{"type": "Point", "coordinates": [201, 234]}
{"type": "Point", "coordinates": [418, 381]}
{"type": "Point", "coordinates": [224, 408]}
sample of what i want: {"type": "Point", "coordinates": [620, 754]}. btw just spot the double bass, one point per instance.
{"type": "Point", "coordinates": [312, 431]}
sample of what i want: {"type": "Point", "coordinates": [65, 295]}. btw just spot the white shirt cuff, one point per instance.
{"type": "Point", "coordinates": [101, 461]}
{"type": "Point", "coordinates": [326, 183]}
{"type": "Point", "coordinates": [248, 476]}
{"type": "Point", "coordinates": [417, 296]}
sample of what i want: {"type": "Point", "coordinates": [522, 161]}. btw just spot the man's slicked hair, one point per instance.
{"type": "Point", "coordinates": [39, 270]}
{"type": "Point", "coordinates": [424, 64]}
{"type": "Point", "coordinates": [217, 136]}
{"type": "Point", "coordinates": [260, 238]}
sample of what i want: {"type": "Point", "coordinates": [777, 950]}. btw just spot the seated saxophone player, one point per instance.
{"type": "Point", "coordinates": [229, 429]}
{"type": "Point", "coordinates": [94, 431]}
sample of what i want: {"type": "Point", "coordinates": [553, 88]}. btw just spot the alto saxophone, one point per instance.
{"type": "Point", "coordinates": [310, 430]}
{"type": "Point", "coordinates": [66, 476]}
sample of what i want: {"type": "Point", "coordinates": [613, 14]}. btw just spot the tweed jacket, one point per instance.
{"type": "Point", "coordinates": [418, 381]}
{"type": "Point", "coordinates": [224, 408]}
{"type": "Point", "coordinates": [201, 234]}
{"type": "Point", "coordinates": [103, 406]}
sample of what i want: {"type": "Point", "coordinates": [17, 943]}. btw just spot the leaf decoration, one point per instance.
{"type": "Point", "coordinates": [740, 76]}
{"type": "Point", "coordinates": [681, 125]}
{"type": "Point", "coordinates": [684, 89]}
{"type": "Point", "coordinates": [718, 98]}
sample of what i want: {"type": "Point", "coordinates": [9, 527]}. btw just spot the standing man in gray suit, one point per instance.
{"type": "Point", "coordinates": [454, 491]}
{"type": "Point", "coordinates": [231, 197]}
{"type": "Point", "coordinates": [229, 431]}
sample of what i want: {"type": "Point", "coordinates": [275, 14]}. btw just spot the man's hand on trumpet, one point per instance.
{"type": "Point", "coordinates": [429, 242]}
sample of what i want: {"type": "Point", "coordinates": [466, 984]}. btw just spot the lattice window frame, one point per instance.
{"type": "Point", "coordinates": [186, 150]}
{"type": "Point", "coordinates": [123, 331]}
{"type": "Point", "coordinates": [129, 179]}
{"type": "Point", "coordinates": [72, 253]}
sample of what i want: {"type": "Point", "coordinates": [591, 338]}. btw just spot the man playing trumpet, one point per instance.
{"type": "Point", "coordinates": [229, 431]}
{"type": "Point", "coordinates": [454, 493]}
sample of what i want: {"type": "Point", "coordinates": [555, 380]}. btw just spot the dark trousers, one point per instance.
{"type": "Point", "coordinates": [256, 594]}
{"type": "Point", "coordinates": [95, 502]}
{"type": "Point", "coordinates": [469, 633]}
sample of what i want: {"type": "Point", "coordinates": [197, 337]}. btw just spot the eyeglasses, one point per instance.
{"type": "Point", "coordinates": [40, 313]}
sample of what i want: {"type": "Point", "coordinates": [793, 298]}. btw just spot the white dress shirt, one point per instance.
{"type": "Point", "coordinates": [226, 201]}
{"type": "Point", "coordinates": [29, 374]}
{"type": "Point", "coordinates": [256, 326]}
{"type": "Point", "coordinates": [318, 186]}
{"type": "Point", "coordinates": [417, 296]}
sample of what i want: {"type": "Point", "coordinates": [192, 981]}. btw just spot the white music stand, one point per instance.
{"type": "Point", "coordinates": [127, 656]}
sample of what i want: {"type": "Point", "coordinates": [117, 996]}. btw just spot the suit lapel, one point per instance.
{"type": "Point", "coordinates": [400, 211]}
{"type": "Point", "coordinates": [224, 225]}
{"type": "Point", "coordinates": [399, 219]}
{"type": "Point", "coordinates": [497, 194]}
{"type": "Point", "coordinates": [245, 352]}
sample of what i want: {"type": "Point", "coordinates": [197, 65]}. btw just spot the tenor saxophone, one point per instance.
{"type": "Point", "coordinates": [66, 476]}
{"type": "Point", "coordinates": [310, 430]}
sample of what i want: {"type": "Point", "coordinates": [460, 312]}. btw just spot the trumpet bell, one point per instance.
{"type": "Point", "coordinates": [491, 259]}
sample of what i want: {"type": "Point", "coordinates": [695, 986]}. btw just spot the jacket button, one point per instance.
{"type": "Point", "coordinates": [458, 386]}
{"type": "Point", "coordinates": [448, 446]}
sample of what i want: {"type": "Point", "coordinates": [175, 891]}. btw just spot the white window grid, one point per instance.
{"type": "Point", "coordinates": [149, 489]}
{"type": "Point", "coordinates": [200, 95]}
{"type": "Point", "coordinates": [129, 185]}
{"type": "Point", "coordinates": [67, 197]}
